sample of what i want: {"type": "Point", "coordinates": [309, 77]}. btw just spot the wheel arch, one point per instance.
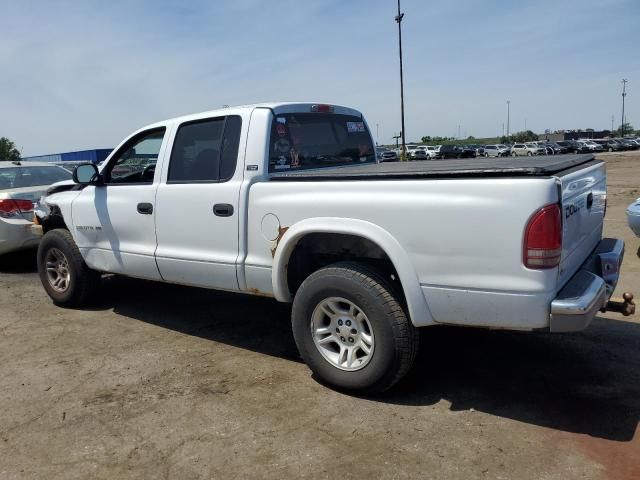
{"type": "Point", "coordinates": [417, 308]}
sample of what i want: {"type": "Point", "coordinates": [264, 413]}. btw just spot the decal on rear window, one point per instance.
{"type": "Point", "coordinates": [355, 127]}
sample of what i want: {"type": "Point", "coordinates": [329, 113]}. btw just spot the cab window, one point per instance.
{"type": "Point", "coordinates": [136, 161]}
{"type": "Point", "coordinates": [205, 150]}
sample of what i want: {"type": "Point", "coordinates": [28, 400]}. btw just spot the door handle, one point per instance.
{"type": "Point", "coordinates": [223, 209]}
{"type": "Point", "coordinates": [145, 208]}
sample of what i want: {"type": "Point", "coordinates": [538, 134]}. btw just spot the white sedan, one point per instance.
{"type": "Point", "coordinates": [21, 186]}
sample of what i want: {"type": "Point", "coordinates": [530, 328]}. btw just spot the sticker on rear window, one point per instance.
{"type": "Point", "coordinates": [282, 163]}
{"type": "Point", "coordinates": [355, 127]}
{"type": "Point", "coordinates": [282, 120]}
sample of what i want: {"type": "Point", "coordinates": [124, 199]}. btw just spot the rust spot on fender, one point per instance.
{"type": "Point", "coordinates": [276, 242]}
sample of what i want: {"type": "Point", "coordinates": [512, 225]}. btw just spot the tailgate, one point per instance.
{"type": "Point", "coordinates": [583, 192]}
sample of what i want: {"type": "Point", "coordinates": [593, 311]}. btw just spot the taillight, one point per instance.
{"type": "Point", "coordinates": [543, 239]}
{"type": "Point", "coordinates": [11, 207]}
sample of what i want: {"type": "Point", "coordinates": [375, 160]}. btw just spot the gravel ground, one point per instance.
{"type": "Point", "coordinates": [161, 381]}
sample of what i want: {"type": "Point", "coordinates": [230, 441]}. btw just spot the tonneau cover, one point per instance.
{"type": "Point", "coordinates": [453, 168]}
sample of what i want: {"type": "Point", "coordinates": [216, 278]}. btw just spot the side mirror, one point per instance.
{"type": "Point", "coordinates": [86, 174]}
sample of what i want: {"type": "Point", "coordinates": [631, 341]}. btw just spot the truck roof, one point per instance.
{"type": "Point", "coordinates": [453, 168]}
{"type": "Point", "coordinates": [277, 107]}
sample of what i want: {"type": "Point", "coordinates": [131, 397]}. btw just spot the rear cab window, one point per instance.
{"type": "Point", "coordinates": [301, 141]}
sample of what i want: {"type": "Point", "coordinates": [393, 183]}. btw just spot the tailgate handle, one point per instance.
{"type": "Point", "coordinates": [590, 200]}
{"type": "Point", "coordinates": [223, 209]}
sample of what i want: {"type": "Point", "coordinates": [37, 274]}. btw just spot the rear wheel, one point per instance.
{"type": "Point", "coordinates": [64, 275]}
{"type": "Point", "coordinates": [530, 154]}
{"type": "Point", "coordinates": [350, 329]}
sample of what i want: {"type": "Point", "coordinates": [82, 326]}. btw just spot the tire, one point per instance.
{"type": "Point", "coordinates": [64, 275]}
{"type": "Point", "coordinates": [529, 154]}
{"type": "Point", "coordinates": [610, 149]}
{"type": "Point", "coordinates": [351, 291]}
{"type": "Point", "coordinates": [486, 155]}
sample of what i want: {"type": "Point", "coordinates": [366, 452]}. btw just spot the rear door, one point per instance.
{"type": "Point", "coordinates": [197, 218]}
{"type": "Point", "coordinates": [583, 208]}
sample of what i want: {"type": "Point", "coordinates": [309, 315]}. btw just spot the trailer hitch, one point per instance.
{"type": "Point", "coordinates": [625, 305]}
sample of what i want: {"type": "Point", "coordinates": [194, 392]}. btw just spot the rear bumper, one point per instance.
{"type": "Point", "coordinates": [589, 289]}
{"type": "Point", "coordinates": [15, 234]}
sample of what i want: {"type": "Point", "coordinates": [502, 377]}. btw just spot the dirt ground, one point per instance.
{"type": "Point", "coordinates": [160, 381]}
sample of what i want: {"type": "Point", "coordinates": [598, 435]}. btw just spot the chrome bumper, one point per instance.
{"type": "Point", "coordinates": [589, 289]}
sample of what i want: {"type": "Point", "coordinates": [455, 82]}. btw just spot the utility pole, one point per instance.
{"type": "Point", "coordinates": [611, 123]}
{"type": "Point", "coordinates": [624, 94]}
{"type": "Point", "coordinates": [458, 131]}
{"type": "Point", "coordinates": [508, 113]}
{"type": "Point", "coordinates": [503, 129]}
{"type": "Point", "coordinates": [399, 18]}
{"type": "Point", "coordinates": [525, 124]}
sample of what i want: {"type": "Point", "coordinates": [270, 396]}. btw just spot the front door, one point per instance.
{"type": "Point", "coordinates": [197, 217]}
{"type": "Point", "coordinates": [114, 223]}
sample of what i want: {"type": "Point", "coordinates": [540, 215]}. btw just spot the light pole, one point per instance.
{"type": "Point", "coordinates": [624, 94]}
{"type": "Point", "coordinates": [399, 18]}
{"type": "Point", "coordinates": [377, 133]}
{"type": "Point", "coordinates": [508, 113]}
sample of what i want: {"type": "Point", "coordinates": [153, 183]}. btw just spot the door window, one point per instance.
{"type": "Point", "coordinates": [205, 150]}
{"type": "Point", "coordinates": [136, 161]}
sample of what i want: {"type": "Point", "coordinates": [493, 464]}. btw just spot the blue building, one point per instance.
{"type": "Point", "coordinates": [94, 156]}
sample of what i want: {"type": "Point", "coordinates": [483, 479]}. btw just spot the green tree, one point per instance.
{"type": "Point", "coordinates": [628, 129]}
{"type": "Point", "coordinates": [8, 150]}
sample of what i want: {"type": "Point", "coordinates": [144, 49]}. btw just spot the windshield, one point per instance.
{"type": "Point", "coordinates": [25, 176]}
{"type": "Point", "coordinates": [314, 140]}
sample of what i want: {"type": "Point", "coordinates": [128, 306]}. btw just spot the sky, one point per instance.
{"type": "Point", "coordinates": [84, 74]}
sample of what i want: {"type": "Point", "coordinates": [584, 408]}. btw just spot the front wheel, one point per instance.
{"type": "Point", "coordinates": [62, 270]}
{"type": "Point", "coordinates": [351, 330]}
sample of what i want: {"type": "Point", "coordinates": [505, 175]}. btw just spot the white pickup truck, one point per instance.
{"type": "Point", "coordinates": [287, 200]}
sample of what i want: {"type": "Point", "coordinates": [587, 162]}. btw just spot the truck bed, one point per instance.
{"type": "Point", "coordinates": [451, 168]}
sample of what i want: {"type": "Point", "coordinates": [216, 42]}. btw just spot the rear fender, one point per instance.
{"type": "Point", "coordinates": [419, 312]}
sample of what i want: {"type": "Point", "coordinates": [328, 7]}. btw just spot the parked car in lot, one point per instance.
{"type": "Point", "coordinates": [287, 200]}
{"type": "Point", "coordinates": [432, 152]}
{"type": "Point", "coordinates": [454, 151]}
{"type": "Point", "coordinates": [609, 145]}
{"type": "Point", "coordinates": [491, 151]}
{"type": "Point", "coordinates": [573, 146]}
{"type": "Point", "coordinates": [386, 155]}
{"type": "Point", "coordinates": [633, 217]}
{"type": "Point", "coordinates": [526, 149]}
{"type": "Point", "coordinates": [420, 153]}
{"type": "Point", "coordinates": [21, 185]}
{"type": "Point", "coordinates": [552, 148]}
{"type": "Point", "coordinates": [627, 144]}
{"type": "Point", "coordinates": [468, 151]}
{"type": "Point", "coordinates": [411, 148]}
{"type": "Point", "coordinates": [591, 145]}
